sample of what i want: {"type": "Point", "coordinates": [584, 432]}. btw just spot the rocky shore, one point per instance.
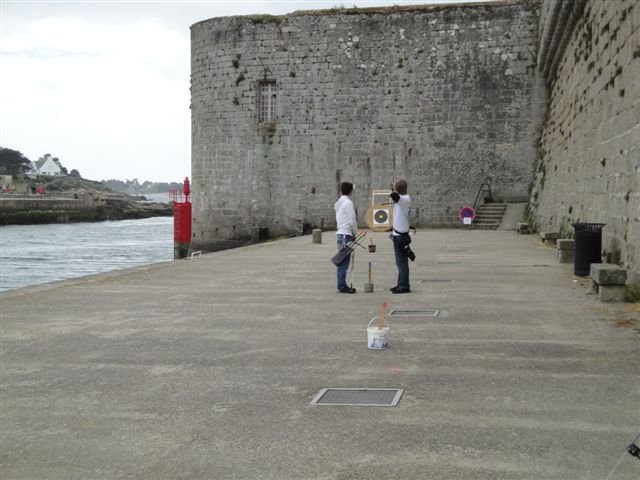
{"type": "Point", "coordinates": [84, 206]}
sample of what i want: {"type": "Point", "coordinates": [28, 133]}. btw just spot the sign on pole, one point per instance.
{"type": "Point", "coordinates": [467, 215]}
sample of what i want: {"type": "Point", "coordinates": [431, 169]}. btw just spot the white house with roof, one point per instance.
{"type": "Point", "coordinates": [47, 165]}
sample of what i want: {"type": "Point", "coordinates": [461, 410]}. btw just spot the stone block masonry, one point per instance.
{"type": "Point", "coordinates": [447, 97]}
{"type": "Point", "coordinates": [566, 252]}
{"type": "Point", "coordinates": [589, 165]}
{"type": "Point", "coordinates": [606, 274]}
{"type": "Point", "coordinates": [608, 282]}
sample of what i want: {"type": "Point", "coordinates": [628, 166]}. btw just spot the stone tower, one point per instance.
{"type": "Point", "coordinates": [285, 108]}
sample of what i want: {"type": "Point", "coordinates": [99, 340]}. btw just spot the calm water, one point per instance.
{"type": "Point", "coordinates": [35, 254]}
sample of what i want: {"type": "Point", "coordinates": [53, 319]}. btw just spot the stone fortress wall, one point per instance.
{"type": "Point", "coordinates": [540, 99]}
{"type": "Point", "coordinates": [588, 170]}
{"type": "Point", "coordinates": [447, 97]}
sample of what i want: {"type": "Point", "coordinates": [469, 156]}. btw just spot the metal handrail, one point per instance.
{"type": "Point", "coordinates": [482, 187]}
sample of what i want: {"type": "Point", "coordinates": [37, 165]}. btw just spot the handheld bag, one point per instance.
{"type": "Point", "coordinates": [339, 257]}
{"type": "Point", "coordinates": [345, 251]}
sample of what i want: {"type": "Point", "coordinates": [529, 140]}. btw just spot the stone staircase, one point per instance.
{"type": "Point", "coordinates": [489, 216]}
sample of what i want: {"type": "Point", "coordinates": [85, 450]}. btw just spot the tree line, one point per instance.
{"type": "Point", "coordinates": [16, 164]}
{"type": "Point", "coordinates": [13, 162]}
{"type": "Point", "coordinates": [134, 186]}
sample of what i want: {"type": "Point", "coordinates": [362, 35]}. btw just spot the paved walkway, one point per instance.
{"type": "Point", "coordinates": [205, 369]}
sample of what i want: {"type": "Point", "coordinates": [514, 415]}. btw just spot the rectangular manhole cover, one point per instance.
{"type": "Point", "coordinates": [363, 397]}
{"type": "Point", "coordinates": [435, 280]}
{"type": "Point", "coordinates": [429, 312]}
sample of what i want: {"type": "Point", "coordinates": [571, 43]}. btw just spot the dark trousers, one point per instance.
{"type": "Point", "coordinates": [402, 261]}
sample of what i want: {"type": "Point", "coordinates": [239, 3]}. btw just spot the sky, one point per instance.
{"type": "Point", "coordinates": [104, 85]}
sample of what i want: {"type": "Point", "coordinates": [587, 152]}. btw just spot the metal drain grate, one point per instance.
{"type": "Point", "coordinates": [430, 312]}
{"type": "Point", "coordinates": [362, 397]}
{"type": "Point", "coordinates": [446, 262]}
{"type": "Point", "coordinates": [435, 280]}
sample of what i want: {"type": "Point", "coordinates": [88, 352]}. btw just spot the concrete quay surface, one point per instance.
{"type": "Point", "coordinates": [205, 368]}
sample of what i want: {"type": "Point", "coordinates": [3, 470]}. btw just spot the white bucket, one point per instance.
{"type": "Point", "coordinates": [377, 338]}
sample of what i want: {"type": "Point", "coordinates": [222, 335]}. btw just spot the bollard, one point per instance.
{"type": "Point", "coordinates": [181, 220]}
{"type": "Point", "coordinates": [317, 235]}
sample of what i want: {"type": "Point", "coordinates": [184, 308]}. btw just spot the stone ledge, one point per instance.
{"type": "Point", "coordinates": [612, 293]}
{"type": "Point", "coordinates": [549, 237]}
{"type": "Point", "coordinates": [608, 274]}
{"type": "Point", "coordinates": [566, 244]}
{"type": "Point", "coordinates": [566, 252]}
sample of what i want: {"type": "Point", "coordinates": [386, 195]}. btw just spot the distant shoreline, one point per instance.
{"type": "Point", "coordinates": [42, 209]}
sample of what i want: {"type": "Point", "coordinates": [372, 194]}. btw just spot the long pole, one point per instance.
{"type": "Point", "coordinates": [383, 309]}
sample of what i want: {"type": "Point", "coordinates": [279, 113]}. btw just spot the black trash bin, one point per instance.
{"type": "Point", "coordinates": [588, 237]}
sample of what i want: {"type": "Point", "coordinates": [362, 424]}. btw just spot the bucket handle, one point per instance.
{"type": "Point", "coordinates": [386, 322]}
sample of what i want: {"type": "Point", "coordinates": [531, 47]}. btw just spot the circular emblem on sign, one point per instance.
{"type": "Point", "coordinates": [467, 212]}
{"type": "Point", "coordinates": [380, 216]}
